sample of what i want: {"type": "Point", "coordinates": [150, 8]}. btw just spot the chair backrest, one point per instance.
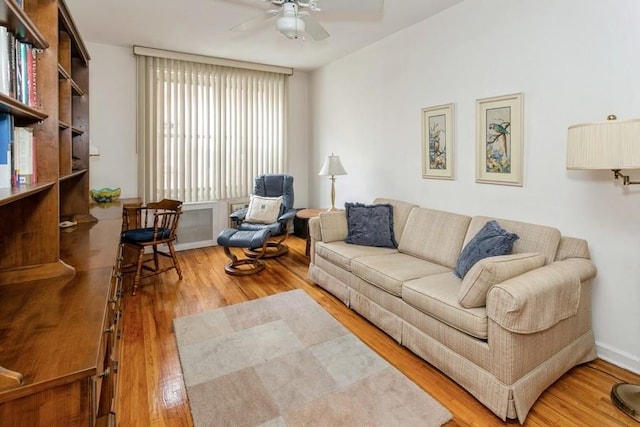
{"type": "Point", "coordinates": [163, 215]}
{"type": "Point", "coordinates": [166, 214]}
{"type": "Point", "coordinates": [274, 185]}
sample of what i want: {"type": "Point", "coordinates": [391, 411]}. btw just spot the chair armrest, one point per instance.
{"type": "Point", "coordinates": [239, 215]}
{"type": "Point", "coordinates": [540, 298]}
{"type": "Point", "coordinates": [287, 216]}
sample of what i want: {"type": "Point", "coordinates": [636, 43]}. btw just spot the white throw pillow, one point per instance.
{"type": "Point", "coordinates": [263, 210]}
{"type": "Point", "coordinates": [491, 271]}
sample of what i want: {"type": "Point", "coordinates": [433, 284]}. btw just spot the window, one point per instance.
{"type": "Point", "coordinates": [205, 131]}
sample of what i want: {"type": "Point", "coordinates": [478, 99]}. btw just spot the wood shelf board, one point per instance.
{"type": "Point", "coordinates": [73, 174]}
{"type": "Point", "coordinates": [63, 73]}
{"type": "Point", "coordinates": [10, 195]}
{"type": "Point", "coordinates": [23, 114]}
{"type": "Point", "coordinates": [12, 16]}
{"type": "Point", "coordinates": [76, 90]}
{"type": "Point", "coordinates": [77, 131]}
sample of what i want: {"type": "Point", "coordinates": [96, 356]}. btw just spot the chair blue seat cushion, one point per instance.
{"type": "Point", "coordinates": [143, 235]}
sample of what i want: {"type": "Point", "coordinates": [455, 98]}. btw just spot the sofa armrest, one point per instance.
{"type": "Point", "coordinates": [315, 233]}
{"type": "Point", "coordinates": [539, 299]}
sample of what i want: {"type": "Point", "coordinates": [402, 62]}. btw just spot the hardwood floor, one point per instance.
{"type": "Point", "coordinates": [151, 391]}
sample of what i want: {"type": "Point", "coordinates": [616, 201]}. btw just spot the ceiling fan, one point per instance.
{"type": "Point", "coordinates": [295, 18]}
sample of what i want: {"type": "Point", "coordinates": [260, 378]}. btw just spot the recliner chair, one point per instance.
{"type": "Point", "coordinates": [270, 185]}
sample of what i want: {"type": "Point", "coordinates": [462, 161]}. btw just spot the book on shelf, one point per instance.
{"type": "Point", "coordinates": [24, 156]}
{"type": "Point", "coordinates": [18, 65]}
{"type": "Point", "coordinates": [6, 140]}
{"type": "Point", "coordinates": [4, 61]}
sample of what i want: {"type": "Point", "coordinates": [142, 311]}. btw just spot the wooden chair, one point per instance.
{"type": "Point", "coordinates": [149, 227]}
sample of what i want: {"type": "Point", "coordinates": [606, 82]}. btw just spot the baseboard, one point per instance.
{"type": "Point", "coordinates": [618, 357]}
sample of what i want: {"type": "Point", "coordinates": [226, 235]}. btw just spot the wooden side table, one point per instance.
{"type": "Point", "coordinates": [305, 215]}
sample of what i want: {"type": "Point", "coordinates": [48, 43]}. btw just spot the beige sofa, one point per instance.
{"type": "Point", "coordinates": [534, 327]}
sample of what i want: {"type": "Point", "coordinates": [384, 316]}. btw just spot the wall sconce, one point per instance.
{"type": "Point", "coordinates": [332, 167]}
{"type": "Point", "coordinates": [613, 144]}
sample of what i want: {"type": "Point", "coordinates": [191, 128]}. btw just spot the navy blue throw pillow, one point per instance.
{"type": "Point", "coordinates": [491, 240]}
{"type": "Point", "coordinates": [370, 225]}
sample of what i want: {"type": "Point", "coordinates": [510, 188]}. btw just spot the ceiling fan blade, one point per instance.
{"type": "Point", "coordinates": [255, 21]}
{"type": "Point", "coordinates": [357, 6]}
{"type": "Point", "coordinates": [313, 28]}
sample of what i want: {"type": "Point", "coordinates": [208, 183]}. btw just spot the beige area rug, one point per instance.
{"type": "Point", "coordinates": [284, 361]}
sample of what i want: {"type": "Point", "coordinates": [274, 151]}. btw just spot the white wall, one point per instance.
{"type": "Point", "coordinates": [112, 127]}
{"type": "Point", "coordinates": [574, 60]}
{"type": "Point", "coordinates": [113, 122]}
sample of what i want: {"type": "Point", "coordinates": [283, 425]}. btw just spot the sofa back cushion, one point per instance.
{"type": "Point", "coordinates": [531, 237]}
{"type": "Point", "coordinates": [433, 235]}
{"type": "Point", "coordinates": [333, 226]}
{"type": "Point", "coordinates": [400, 214]}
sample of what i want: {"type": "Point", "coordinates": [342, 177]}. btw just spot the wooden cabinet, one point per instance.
{"type": "Point", "coordinates": [63, 335]}
{"type": "Point", "coordinates": [60, 306]}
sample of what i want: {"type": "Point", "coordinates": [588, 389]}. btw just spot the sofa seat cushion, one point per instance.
{"type": "Point", "coordinates": [437, 296]}
{"type": "Point", "coordinates": [389, 272]}
{"type": "Point", "coordinates": [341, 253]}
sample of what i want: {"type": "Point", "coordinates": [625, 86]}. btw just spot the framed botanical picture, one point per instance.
{"type": "Point", "coordinates": [437, 142]}
{"type": "Point", "coordinates": [499, 139]}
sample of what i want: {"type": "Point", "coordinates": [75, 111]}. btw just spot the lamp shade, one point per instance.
{"type": "Point", "coordinates": [332, 166]}
{"type": "Point", "coordinates": [614, 144]}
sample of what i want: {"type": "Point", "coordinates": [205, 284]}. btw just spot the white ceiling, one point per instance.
{"type": "Point", "coordinates": [202, 27]}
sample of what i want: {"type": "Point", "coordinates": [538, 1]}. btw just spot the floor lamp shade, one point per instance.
{"type": "Point", "coordinates": [614, 144]}
{"type": "Point", "coordinates": [332, 167]}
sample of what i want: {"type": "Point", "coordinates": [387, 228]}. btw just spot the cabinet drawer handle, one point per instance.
{"type": "Point", "coordinates": [109, 330]}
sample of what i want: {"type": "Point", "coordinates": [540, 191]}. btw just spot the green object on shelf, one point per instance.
{"type": "Point", "coordinates": [105, 195]}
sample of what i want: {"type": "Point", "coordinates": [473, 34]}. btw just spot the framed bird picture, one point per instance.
{"type": "Point", "coordinates": [437, 142]}
{"type": "Point", "coordinates": [499, 139]}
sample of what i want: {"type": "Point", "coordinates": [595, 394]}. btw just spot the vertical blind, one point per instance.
{"type": "Point", "coordinates": [206, 131]}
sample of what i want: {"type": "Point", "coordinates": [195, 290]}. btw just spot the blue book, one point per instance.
{"type": "Point", "coordinates": [6, 136]}
{"type": "Point", "coordinates": [6, 130]}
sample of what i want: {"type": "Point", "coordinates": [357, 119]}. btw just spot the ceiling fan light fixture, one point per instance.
{"type": "Point", "coordinates": [291, 27]}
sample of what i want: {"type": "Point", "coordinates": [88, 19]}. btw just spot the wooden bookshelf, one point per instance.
{"type": "Point", "coordinates": [57, 306]}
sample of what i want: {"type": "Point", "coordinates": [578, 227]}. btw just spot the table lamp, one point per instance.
{"type": "Point", "coordinates": [331, 168]}
{"type": "Point", "coordinates": [611, 145]}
